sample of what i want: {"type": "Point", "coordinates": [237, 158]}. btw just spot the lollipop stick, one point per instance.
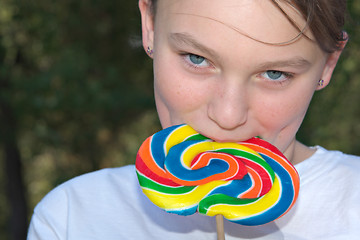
{"type": "Point", "coordinates": [220, 227]}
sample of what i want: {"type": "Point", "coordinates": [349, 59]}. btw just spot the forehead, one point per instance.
{"type": "Point", "coordinates": [260, 20]}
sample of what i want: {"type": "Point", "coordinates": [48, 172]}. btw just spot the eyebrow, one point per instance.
{"type": "Point", "coordinates": [181, 39]}
{"type": "Point", "coordinates": [297, 62]}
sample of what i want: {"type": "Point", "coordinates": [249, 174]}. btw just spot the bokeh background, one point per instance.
{"type": "Point", "coordinates": [76, 95]}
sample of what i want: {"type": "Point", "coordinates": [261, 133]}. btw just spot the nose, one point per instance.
{"type": "Point", "coordinates": [228, 107]}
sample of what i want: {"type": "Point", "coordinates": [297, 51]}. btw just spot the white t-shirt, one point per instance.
{"type": "Point", "coordinates": [109, 204]}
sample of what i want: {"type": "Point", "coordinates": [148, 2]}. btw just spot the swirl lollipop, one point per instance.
{"type": "Point", "coordinates": [249, 183]}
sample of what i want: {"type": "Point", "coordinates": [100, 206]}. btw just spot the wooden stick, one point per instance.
{"type": "Point", "coordinates": [220, 227]}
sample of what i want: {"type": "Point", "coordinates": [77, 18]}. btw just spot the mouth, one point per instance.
{"type": "Point", "coordinates": [225, 137]}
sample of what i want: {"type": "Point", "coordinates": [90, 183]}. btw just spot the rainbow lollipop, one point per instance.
{"type": "Point", "coordinates": [249, 183]}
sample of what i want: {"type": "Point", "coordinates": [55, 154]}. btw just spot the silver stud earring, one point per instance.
{"type": "Point", "coordinates": [321, 83]}
{"type": "Point", "coordinates": [149, 51]}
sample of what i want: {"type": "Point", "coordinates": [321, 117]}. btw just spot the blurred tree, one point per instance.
{"type": "Point", "coordinates": [10, 59]}
{"type": "Point", "coordinates": [72, 75]}
{"type": "Point", "coordinates": [13, 165]}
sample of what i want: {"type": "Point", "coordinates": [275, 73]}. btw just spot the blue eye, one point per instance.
{"type": "Point", "coordinates": [274, 75]}
{"type": "Point", "coordinates": [196, 63]}
{"type": "Point", "coordinates": [195, 59]}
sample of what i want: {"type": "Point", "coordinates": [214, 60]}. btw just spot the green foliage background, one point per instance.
{"type": "Point", "coordinates": [80, 89]}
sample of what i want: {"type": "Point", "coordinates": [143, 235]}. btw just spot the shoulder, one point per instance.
{"type": "Point", "coordinates": [338, 158]}
{"type": "Point", "coordinates": [330, 160]}
{"type": "Point", "coordinates": [329, 169]}
{"type": "Point", "coordinates": [83, 197]}
{"type": "Point", "coordinates": [89, 185]}
{"type": "Point", "coordinates": [102, 176]}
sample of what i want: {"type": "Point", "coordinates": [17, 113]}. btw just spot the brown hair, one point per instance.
{"type": "Point", "coordinates": [326, 19]}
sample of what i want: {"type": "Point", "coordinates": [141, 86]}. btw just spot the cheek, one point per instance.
{"type": "Point", "coordinates": [177, 95]}
{"type": "Point", "coordinates": [285, 111]}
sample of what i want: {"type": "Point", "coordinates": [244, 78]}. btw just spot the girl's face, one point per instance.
{"type": "Point", "coordinates": [211, 74]}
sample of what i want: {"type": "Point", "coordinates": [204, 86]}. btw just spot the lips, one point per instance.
{"type": "Point", "coordinates": [222, 136]}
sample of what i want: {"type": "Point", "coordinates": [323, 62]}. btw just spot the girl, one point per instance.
{"type": "Point", "coordinates": [231, 69]}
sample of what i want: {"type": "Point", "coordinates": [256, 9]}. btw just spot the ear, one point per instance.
{"type": "Point", "coordinates": [330, 65]}
{"type": "Point", "coordinates": [147, 23]}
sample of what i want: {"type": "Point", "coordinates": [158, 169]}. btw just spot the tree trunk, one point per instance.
{"type": "Point", "coordinates": [13, 169]}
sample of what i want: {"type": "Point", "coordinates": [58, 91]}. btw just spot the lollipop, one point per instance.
{"type": "Point", "coordinates": [249, 183]}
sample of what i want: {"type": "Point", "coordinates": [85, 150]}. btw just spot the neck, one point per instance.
{"type": "Point", "coordinates": [298, 152]}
